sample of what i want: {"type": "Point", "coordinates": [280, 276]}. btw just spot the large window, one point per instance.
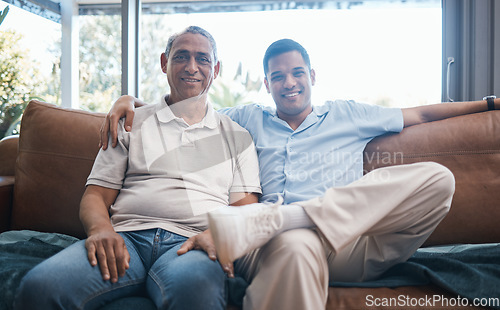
{"type": "Point", "coordinates": [386, 53]}
{"type": "Point", "coordinates": [379, 52]}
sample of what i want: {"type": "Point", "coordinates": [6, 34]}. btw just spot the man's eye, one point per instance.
{"type": "Point", "coordinates": [299, 73]}
{"type": "Point", "coordinates": [277, 78]}
{"type": "Point", "coordinates": [204, 60]}
{"type": "Point", "coordinates": [180, 58]}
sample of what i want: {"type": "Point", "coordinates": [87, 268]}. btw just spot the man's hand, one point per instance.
{"type": "Point", "coordinates": [123, 107]}
{"type": "Point", "coordinates": [109, 251]}
{"type": "Point", "coordinates": [205, 242]}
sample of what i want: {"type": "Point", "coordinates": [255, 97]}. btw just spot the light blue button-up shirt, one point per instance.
{"type": "Point", "coordinates": [326, 150]}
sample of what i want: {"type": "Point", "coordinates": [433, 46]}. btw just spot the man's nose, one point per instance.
{"type": "Point", "coordinates": [191, 66]}
{"type": "Point", "coordinates": [289, 82]}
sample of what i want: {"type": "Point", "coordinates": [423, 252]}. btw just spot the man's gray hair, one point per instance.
{"type": "Point", "coordinates": [193, 30]}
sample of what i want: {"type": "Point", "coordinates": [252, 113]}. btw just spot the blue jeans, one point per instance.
{"type": "Point", "coordinates": [68, 281]}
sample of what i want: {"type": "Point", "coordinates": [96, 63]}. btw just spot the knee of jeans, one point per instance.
{"type": "Point", "coordinates": [32, 292]}
{"type": "Point", "coordinates": [200, 281]}
{"type": "Point", "coordinates": [191, 288]}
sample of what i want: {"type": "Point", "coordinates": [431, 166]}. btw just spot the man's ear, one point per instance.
{"type": "Point", "coordinates": [267, 85]}
{"type": "Point", "coordinates": [313, 77]}
{"type": "Point", "coordinates": [163, 61]}
{"type": "Point", "coordinates": [217, 69]}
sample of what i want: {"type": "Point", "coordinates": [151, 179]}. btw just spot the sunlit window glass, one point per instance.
{"type": "Point", "coordinates": [30, 52]}
{"type": "Point", "coordinates": [378, 52]}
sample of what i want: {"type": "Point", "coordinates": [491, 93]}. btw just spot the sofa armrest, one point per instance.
{"type": "Point", "coordinates": [6, 193]}
{"type": "Point", "coordinates": [8, 154]}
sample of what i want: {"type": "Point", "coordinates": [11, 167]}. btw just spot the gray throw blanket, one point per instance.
{"type": "Point", "coordinates": [19, 252]}
{"type": "Point", "coordinates": [470, 271]}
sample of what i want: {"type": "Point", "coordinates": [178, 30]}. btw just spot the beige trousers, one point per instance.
{"type": "Point", "coordinates": [362, 230]}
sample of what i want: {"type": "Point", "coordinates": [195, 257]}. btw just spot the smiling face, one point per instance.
{"type": "Point", "coordinates": [289, 80]}
{"type": "Point", "coordinates": [190, 67]}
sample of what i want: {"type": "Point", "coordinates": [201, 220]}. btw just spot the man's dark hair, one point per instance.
{"type": "Point", "coordinates": [283, 46]}
{"type": "Point", "coordinates": [193, 30]}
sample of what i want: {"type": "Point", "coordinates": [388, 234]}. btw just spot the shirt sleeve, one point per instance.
{"type": "Point", "coordinates": [110, 165]}
{"type": "Point", "coordinates": [244, 155]}
{"type": "Point", "coordinates": [246, 176]}
{"type": "Point", "coordinates": [242, 114]}
{"type": "Point", "coordinates": [373, 120]}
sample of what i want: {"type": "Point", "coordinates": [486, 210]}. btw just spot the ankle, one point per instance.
{"type": "Point", "coordinates": [294, 216]}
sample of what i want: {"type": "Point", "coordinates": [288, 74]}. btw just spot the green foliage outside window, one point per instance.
{"type": "Point", "coordinates": [100, 61]}
{"type": "Point", "coordinates": [19, 81]}
{"type": "Point", "coordinates": [3, 14]}
{"type": "Point", "coordinates": [231, 92]}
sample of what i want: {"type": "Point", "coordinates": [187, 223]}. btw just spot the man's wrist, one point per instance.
{"type": "Point", "coordinates": [490, 102]}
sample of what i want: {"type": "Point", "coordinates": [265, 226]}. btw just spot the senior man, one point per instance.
{"type": "Point", "coordinates": [145, 205]}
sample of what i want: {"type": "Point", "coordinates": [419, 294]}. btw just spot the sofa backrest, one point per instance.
{"type": "Point", "coordinates": [57, 147]}
{"type": "Point", "coordinates": [469, 146]}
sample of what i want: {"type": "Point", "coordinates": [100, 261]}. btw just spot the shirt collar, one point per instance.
{"type": "Point", "coordinates": [212, 118]}
{"type": "Point", "coordinates": [321, 110]}
{"type": "Point", "coordinates": [316, 113]}
{"type": "Point", "coordinates": [316, 110]}
{"type": "Point", "coordinates": [165, 115]}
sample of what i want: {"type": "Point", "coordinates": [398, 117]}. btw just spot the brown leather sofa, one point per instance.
{"type": "Point", "coordinates": [43, 174]}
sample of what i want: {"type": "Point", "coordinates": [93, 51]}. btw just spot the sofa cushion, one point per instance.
{"type": "Point", "coordinates": [469, 146]}
{"type": "Point", "coordinates": [57, 148]}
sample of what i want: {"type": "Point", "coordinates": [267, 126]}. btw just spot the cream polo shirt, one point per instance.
{"type": "Point", "coordinates": [171, 174]}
